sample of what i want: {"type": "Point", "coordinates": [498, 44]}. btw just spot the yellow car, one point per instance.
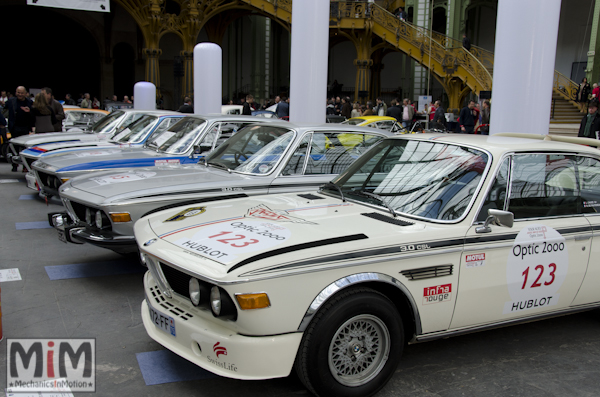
{"type": "Point", "coordinates": [379, 122]}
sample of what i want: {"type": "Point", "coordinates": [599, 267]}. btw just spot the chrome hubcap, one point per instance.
{"type": "Point", "coordinates": [359, 350]}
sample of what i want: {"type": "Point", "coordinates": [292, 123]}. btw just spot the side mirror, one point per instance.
{"type": "Point", "coordinates": [497, 217]}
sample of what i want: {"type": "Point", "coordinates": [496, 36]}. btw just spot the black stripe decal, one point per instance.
{"type": "Point", "coordinates": [192, 202]}
{"type": "Point", "coordinates": [173, 193]}
{"type": "Point", "coordinates": [299, 247]}
{"type": "Point", "coordinates": [402, 248]}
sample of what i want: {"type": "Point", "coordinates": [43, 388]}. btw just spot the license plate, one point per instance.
{"type": "Point", "coordinates": [161, 321]}
{"type": "Point", "coordinates": [61, 236]}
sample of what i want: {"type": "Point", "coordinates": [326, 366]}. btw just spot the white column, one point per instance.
{"type": "Point", "coordinates": [524, 57]}
{"type": "Point", "coordinates": [308, 69]}
{"type": "Point", "coordinates": [208, 78]}
{"type": "Point", "coordinates": [144, 96]}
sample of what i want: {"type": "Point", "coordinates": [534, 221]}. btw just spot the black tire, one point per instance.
{"type": "Point", "coordinates": [374, 321]}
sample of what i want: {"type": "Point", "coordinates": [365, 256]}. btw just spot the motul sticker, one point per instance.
{"type": "Point", "coordinates": [475, 260]}
{"type": "Point", "coordinates": [437, 294]}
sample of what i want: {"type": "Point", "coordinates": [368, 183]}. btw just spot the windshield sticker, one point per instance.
{"type": "Point", "coordinates": [186, 213]}
{"type": "Point", "coordinates": [125, 177]}
{"type": "Point", "coordinates": [162, 138]}
{"type": "Point", "coordinates": [225, 242]}
{"type": "Point", "coordinates": [121, 134]}
{"type": "Point", "coordinates": [537, 266]}
{"type": "Point", "coordinates": [97, 153]}
{"type": "Point", "coordinates": [475, 260]}
{"type": "Point", "coordinates": [166, 162]}
{"type": "Point", "coordinates": [263, 212]}
{"type": "Point", "coordinates": [437, 294]}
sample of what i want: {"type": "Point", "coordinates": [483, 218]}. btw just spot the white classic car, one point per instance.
{"type": "Point", "coordinates": [423, 237]}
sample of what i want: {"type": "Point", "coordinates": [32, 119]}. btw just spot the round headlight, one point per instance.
{"type": "Point", "coordinates": [99, 219]}
{"type": "Point", "coordinates": [88, 216]}
{"type": "Point", "coordinates": [194, 291]}
{"type": "Point", "coordinates": [215, 300]}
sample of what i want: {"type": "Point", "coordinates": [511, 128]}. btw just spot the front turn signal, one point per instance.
{"type": "Point", "coordinates": [253, 301]}
{"type": "Point", "coordinates": [64, 180]}
{"type": "Point", "coordinates": [120, 217]}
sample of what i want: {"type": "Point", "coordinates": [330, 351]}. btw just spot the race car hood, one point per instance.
{"type": "Point", "coordinates": [103, 158]}
{"type": "Point", "coordinates": [154, 181]}
{"type": "Point", "coordinates": [46, 148]}
{"type": "Point", "coordinates": [36, 139]}
{"type": "Point", "coordinates": [254, 236]}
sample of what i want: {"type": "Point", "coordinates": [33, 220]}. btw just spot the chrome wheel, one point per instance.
{"type": "Point", "coordinates": [359, 350]}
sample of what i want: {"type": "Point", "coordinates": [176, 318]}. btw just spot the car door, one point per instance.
{"type": "Point", "coordinates": [318, 157]}
{"type": "Point", "coordinates": [588, 170]}
{"type": "Point", "coordinates": [538, 265]}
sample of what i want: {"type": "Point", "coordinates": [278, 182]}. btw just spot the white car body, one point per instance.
{"type": "Point", "coordinates": [348, 283]}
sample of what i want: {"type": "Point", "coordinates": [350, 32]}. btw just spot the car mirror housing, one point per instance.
{"type": "Point", "coordinates": [497, 217]}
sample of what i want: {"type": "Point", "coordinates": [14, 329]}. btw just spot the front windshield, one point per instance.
{"type": "Point", "coordinates": [107, 123]}
{"type": "Point", "coordinates": [354, 121]}
{"type": "Point", "coordinates": [254, 150]}
{"type": "Point", "coordinates": [420, 178]}
{"type": "Point", "coordinates": [77, 119]}
{"type": "Point", "coordinates": [137, 131]}
{"type": "Point", "coordinates": [178, 138]}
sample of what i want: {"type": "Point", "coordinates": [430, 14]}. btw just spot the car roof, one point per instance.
{"type": "Point", "coordinates": [334, 127]}
{"type": "Point", "coordinates": [497, 145]}
{"type": "Point", "coordinates": [373, 118]}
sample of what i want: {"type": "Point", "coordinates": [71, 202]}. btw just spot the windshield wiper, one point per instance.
{"type": "Point", "coordinates": [337, 187]}
{"type": "Point", "coordinates": [219, 165]}
{"type": "Point", "coordinates": [378, 198]}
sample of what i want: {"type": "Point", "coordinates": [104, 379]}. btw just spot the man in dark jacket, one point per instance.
{"type": "Point", "coordinates": [440, 114]}
{"type": "Point", "coordinates": [466, 42]}
{"type": "Point", "coordinates": [20, 120]}
{"type": "Point", "coordinates": [395, 110]}
{"type": "Point", "coordinates": [248, 108]}
{"type": "Point", "coordinates": [59, 112]}
{"type": "Point", "coordinates": [187, 106]}
{"type": "Point", "coordinates": [283, 108]}
{"type": "Point", "coordinates": [346, 107]}
{"type": "Point", "coordinates": [590, 123]}
{"type": "Point", "coordinates": [466, 118]}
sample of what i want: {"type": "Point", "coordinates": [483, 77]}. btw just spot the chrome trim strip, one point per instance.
{"type": "Point", "coordinates": [447, 334]}
{"type": "Point", "coordinates": [158, 276]}
{"type": "Point", "coordinates": [354, 279]}
{"type": "Point", "coordinates": [70, 210]}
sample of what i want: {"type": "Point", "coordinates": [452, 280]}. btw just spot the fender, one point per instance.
{"type": "Point", "coordinates": [355, 279]}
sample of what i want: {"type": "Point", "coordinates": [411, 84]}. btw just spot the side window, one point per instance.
{"type": "Point", "coordinates": [589, 180]}
{"type": "Point", "coordinates": [295, 165]}
{"type": "Point", "coordinates": [332, 153]}
{"type": "Point", "coordinates": [543, 185]}
{"type": "Point", "coordinates": [497, 194]}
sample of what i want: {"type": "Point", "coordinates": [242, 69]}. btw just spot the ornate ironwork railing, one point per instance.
{"type": "Point", "coordinates": [420, 37]}
{"type": "Point", "coordinates": [565, 87]}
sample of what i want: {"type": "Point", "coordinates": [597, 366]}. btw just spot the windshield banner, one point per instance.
{"type": "Point", "coordinates": [85, 5]}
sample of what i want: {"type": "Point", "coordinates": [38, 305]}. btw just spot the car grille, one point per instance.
{"type": "Point", "coordinates": [29, 161]}
{"type": "Point", "coordinates": [80, 211]}
{"type": "Point", "coordinates": [49, 181]}
{"type": "Point", "coordinates": [178, 280]}
{"type": "Point", "coordinates": [159, 299]}
{"type": "Point", "coordinates": [428, 272]}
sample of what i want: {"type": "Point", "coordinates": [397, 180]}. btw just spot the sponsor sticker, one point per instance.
{"type": "Point", "coordinates": [263, 212]}
{"type": "Point", "coordinates": [225, 241]}
{"type": "Point", "coordinates": [125, 177]}
{"type": "Point", "coordinates": [589, 204]}
{"type": "Point", "coordinates": [186, 213]}
{"type": "Point", "coordinates": [96, 153]}
{"type": "Point", "coordinates": [221, 350]}
{"type": "Point", "coordinates": [437, 294]}
{"type": "Point", "coordinates": [537, 266]}
{"type": "Point", "coordinates": [166, 162]}
{"type": "Point", "coordinates": [475, 260]}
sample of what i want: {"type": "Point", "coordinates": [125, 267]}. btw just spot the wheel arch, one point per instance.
{"type": "Point", "coordinates": [387, 285]}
